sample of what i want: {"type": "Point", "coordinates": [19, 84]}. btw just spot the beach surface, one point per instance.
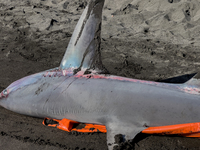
{"type": "Point", "coordinates": [142, 39]}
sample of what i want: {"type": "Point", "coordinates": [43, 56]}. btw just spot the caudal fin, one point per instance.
{"type": "Point", "coordinates": [194, 81]}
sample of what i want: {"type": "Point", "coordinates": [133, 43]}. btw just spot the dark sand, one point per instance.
{"type": "Point", "coordinates": [150, 40]}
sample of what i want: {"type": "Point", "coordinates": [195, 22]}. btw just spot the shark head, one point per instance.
{"type": "Point", "coordinates": [18, 94]}
{"type": "Point", "coordinates": [82, 55]}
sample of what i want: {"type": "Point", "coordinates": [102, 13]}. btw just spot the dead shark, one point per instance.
{"type": "Point", "coordinates": [80, 90]}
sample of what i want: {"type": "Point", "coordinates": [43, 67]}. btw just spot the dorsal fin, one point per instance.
{"type": "Point", "coordinates": [194, 81]}
{"type": "Point", "coordinates": [83, 51]}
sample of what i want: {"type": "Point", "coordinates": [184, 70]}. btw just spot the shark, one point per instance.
{"type": "Point", "coordinates": [81, 89]}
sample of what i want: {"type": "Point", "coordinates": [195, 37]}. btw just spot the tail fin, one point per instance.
{"type": "Point", "coordinates": [194, 81]}
{"type": "Point", "coordinates": [83, 51]}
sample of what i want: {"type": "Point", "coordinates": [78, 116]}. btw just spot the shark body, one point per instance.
{"type": "Point", "coordinates": [79, 90]}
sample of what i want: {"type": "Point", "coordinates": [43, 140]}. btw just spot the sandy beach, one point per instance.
{"type": "Point", "coordinates": [142, 39]}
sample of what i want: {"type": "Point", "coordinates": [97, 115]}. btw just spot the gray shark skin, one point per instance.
{"type": "Point", "coordinates": [78, 90]}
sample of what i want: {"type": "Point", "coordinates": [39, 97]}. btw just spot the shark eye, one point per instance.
{"type": "Point", "coordinates": [5, 92]}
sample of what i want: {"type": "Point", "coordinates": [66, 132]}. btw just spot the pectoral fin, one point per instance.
{"type": "Point", "coordinates": [128, 132]}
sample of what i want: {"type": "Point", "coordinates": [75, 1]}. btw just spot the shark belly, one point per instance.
{"type": "Point", "coordinates": [101, 101]}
